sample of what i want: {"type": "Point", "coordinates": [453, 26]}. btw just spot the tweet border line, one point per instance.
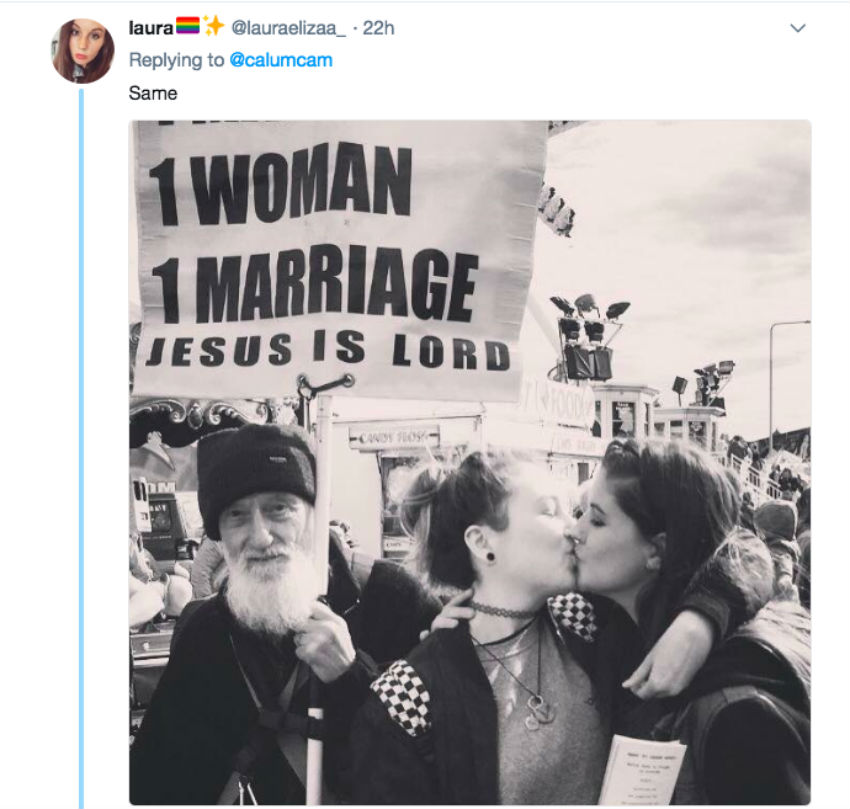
{"type": "Point", "coordinates": [81, 445]}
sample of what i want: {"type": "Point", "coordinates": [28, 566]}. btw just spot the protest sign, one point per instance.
{"type": "Point", "coordinates": [398, 252]}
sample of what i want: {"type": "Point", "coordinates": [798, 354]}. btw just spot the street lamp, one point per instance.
{"type": "Point", "coordinates": [770, 383]}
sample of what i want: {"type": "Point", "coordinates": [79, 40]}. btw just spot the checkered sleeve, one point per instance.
{"type": "Point", "coordinates": [575, 613]}
{"type": "Point", "coordinates": [403, 694]}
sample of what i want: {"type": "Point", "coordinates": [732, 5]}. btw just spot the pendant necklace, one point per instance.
{"type": "Point", "coordinates": [540, 711]}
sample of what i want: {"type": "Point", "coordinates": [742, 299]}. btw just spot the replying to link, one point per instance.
{"type": "Point", "coordinates": [239, 59]}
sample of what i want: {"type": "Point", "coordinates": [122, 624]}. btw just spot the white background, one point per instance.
{"type": "Point", "coordinates": [447, 60]}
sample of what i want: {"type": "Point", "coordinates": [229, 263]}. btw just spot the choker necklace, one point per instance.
{"type": "Point", "coordinates": [501, 611]}
{"type": "Point", "coordinates": [540, 711]}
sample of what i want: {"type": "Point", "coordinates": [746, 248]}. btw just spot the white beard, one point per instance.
{"type": "Point", "coordinates": [276, 604]}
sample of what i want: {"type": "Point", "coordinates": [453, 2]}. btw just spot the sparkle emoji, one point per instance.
{"type": "Point", "coordinates": [214, 26]}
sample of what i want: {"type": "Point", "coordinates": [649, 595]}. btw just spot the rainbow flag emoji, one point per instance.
{"type": "Point", "coordinates": [188, 25]}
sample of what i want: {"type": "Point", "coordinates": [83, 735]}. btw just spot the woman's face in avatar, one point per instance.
{"type": "Point", "coordinates": [86, 40]}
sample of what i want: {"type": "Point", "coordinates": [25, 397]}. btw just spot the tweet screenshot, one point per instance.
{"type": "Point", "coordinates": [458, 373]}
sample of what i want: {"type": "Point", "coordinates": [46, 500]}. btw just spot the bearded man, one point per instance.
{"type": "Point", "coordinates": [228, 719]}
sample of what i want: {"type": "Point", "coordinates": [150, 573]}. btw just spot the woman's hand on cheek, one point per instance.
{"type": "Point", "coordinates": [452, 614]}
{"type": "Point", "coordinates": [675, 659]}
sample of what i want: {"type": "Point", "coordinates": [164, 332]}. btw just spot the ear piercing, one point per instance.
{"type": "Point", "coordinates": [491, 557]}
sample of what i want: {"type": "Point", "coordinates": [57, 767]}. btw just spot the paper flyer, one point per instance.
{"type": "Point", "coordinates": [640, 772]}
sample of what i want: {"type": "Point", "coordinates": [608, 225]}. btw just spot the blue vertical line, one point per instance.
{"type": "Point", "coordinates": [81, 450]}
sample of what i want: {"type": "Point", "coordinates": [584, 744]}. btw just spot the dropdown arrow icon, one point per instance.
{"type": "Point", "coordinates": [798, 29]}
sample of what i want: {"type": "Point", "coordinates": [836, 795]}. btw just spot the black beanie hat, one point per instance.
{"type": "Point", "coordinates": [248, 460]}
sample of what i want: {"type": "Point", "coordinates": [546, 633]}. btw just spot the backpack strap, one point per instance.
{"type": "Point", "coordinates": [361, 566]}
{"type": "Point", "coordinates": [692, 724]}
{"type": "Point", "coordinates": [289, 732]}
{"type": "Point", "coordinates": [405, 698]}
{"type": "Point", "coordinates": [574, 613]}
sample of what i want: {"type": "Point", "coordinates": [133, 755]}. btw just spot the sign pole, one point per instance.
{"type": "Point", "coordinates": [321, 540]}
{"type": "Point", "coordinates": [324, 420]}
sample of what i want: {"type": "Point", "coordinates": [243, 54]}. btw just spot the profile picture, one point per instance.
{"type": "Point", "coordinates": [82, 51]}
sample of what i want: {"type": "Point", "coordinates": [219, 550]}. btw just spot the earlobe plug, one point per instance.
{"type": "Point", "coordinates": [491, 557]}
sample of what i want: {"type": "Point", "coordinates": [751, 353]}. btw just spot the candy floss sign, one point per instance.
{"type": "Point", "coordinates": [400, 253]}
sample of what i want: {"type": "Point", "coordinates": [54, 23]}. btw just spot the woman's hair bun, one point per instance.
{"type": "Point", "coordinates": [441, 502]}
{"type": "Point", "coordinates": [418, 496]}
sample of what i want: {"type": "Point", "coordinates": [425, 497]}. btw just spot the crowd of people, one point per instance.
{"type": "Point", "coordinates": [751, 463]}
{"type": "Point", "coordinates": [496, 666]}
{"type": "Point", "coordinates": [789, 483]}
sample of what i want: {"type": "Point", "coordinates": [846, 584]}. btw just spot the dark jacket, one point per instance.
{"type": "Point", "coordinates": [745, 719]}
{"type": "Point", "coordinates": [452, 755]}
{"type": "Point", "coordinates": [728, 589]}
{"type": "Point", "coordinates": [202, 714]}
